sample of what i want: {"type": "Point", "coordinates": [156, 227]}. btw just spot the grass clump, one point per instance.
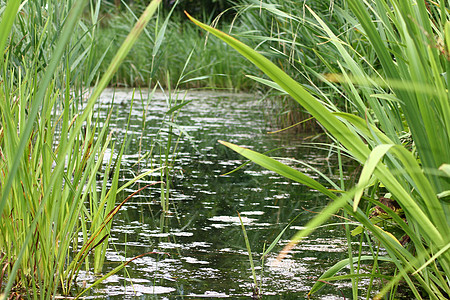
{"type": "Point", "coordinates": [395, 124]}
{"type": "Point", "coordinates": [52, 149]}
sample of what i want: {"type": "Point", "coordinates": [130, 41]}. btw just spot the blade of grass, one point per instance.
{"type": "Point", "coordinates": [249, 251]}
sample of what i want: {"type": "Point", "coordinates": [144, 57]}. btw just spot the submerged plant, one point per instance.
{"type": "Point", "coordinates": [403, 93]}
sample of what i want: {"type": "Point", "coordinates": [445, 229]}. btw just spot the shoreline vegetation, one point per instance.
{"type": "Point", "coordinates": [52, 148]}
{"type": "Point", "coordinates": [393, 74]}
{"type": "Point", "coordinates": [188, 59]}
{"type": "Point", "coordinates": [373, 74]}
{"type": "Point", "coordinates": [185, 56]}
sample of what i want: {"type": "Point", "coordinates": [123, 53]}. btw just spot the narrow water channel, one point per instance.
{"type": "Point", "coordinates": [201, 251]}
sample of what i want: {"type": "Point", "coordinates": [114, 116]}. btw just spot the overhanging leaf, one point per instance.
{"type": "Point", "coordinates": [374, 158]}
{"type": "Point", "coordinates": [278, 167]}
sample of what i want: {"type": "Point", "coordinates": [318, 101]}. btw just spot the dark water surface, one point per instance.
{"type": "Point", "coordinates": [201, 248]}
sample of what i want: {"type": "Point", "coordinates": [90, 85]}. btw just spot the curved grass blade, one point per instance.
{"type": "Point", "coordinates": [288, 172]}
{"type": "Point", "coordinates": [359, 123]}
{"type": "Point", "coordinates": [339, 266]}
{"type": "Point", "coordinates": [249, 250]}
{"type": "Point", "coordinates": [8, 17]}
{"type": "Point", "coordinates": [280, 168]}
{"type": "Point", "coordinates": [247, 162]}
{"type": "Point", "coordinates": [277, 239]}
{"type": "Point", "coordinates": [266, 82]}
{"type": "Point", "coordinates": [337, 128]}
{"type": "Point", "coordinates": [116, 269]}
{"type": "Point", "coordinates": [374, 158]}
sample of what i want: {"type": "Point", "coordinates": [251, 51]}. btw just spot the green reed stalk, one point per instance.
{"type": "Point", "coordinates": [250, 258]}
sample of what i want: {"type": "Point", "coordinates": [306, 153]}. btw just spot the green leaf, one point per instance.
{"type": "Point", "coordinates": [338, 267]}
{"type": "Point", "coordinates": [267, 83]}
{"type": "Point", "coordinates": [446, 169]}
{"type": "Point", "coordinates": [374, 158]}
{"type": "Point", "coordinates": [178, 107]}
{"type": "Point", "coordinates": [337, 128]}
{"type": "Point", "coordinates": [8, 16]}
{"type": "Point", "coordinates": [277, 239]}
{"type": "Point", "coordinates": [280, 168]}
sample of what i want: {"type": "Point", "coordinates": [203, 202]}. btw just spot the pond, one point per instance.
{"type": "Point", "coordinates": [198, 242]}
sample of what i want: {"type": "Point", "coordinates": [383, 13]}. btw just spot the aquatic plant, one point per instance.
{"type": "Point", "coordinates": [52, 149]}
{"type": "Point", "coordinates": [147, 67]}
{"type": "Point", "coordinates": [399, 133]}
{"type": "Point", "coordinates": [256, 286]}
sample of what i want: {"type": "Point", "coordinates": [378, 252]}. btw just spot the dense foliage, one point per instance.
{"type": "Point", "coordinates": [201, 7]}
{"type": "Point", "coordinates": [389, 61]}
{"type": "Point", "coordinates": [374, 74]}
{"type": "Point", "coordinates": [54, 215]}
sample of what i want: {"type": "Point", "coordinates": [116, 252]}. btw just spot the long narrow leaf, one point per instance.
{"type": "Point", "coordinates": [339, 266]}
{"type": "Point", "coordinates": [280, 168]}
{"type": "Point", "coordinates": [298, 92]}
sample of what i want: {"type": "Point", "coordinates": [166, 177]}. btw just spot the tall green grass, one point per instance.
{"type": "Point", "coordinates": [146, 67]}
{"type": "Point", "coordinates": [396, 127]}
{"type": "Point", "coordinates": [283, 32]}
{"type": "Point", "coordinates": [52, 149]}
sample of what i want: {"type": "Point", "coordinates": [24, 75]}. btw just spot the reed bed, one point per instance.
{"type": "Point", "coordinates": [208, 66]}
{"type": "Point", "coordinates": [55, 213]}
{"type": "Point", "coordinates": [387, 70]}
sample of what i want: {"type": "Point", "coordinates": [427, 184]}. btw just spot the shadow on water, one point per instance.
{"type": "Point", "coordinates": [200, 240]}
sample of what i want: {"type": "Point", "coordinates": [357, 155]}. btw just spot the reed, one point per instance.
{"type": "Point", "coordinates": [144, 67]}
{"type": "Point", "coordinates": [52, 148]}
{"type": "Point", "coordinates": [397, 129]}
{"type": "Point", "coordinates": [256, 286]}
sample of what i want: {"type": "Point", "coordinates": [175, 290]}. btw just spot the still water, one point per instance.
{"type": "Point", "coordinates": [199, 247]}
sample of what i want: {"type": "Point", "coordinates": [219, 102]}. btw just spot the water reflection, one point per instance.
{"type": "Point", "coordinates": [199, 246]}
